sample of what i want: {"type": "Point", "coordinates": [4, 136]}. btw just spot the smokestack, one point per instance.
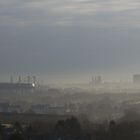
{"type": "Point", "coordinates": [92, 80]}
{"type": "Point", "coordinates": [19, 79]}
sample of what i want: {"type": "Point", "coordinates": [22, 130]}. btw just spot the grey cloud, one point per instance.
{"type": "Point", "coordinates": [67, 12]}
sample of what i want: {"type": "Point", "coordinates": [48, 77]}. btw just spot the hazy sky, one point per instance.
{"type": "Point", "coordinates": [69, 39]}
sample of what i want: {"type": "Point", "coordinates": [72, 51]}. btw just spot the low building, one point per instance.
{"type": "Point", "coordinates": [4, 107]}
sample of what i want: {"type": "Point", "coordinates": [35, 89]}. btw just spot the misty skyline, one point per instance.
{"type": "Point", "coordinates": [70, 39]}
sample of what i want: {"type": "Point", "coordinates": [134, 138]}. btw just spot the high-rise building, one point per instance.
{"type": "Point", "coordinates": [98, 80]}
{"type": "Point", "coordinates": [136, 78]}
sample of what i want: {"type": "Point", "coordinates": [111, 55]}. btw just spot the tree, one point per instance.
{"type": "Point", "coordinates": [68, 129]}
{"type": "Point", "coordinates": [18, 132]}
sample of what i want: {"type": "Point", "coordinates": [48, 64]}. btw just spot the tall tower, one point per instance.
{"type": "Point", "coordinates": [34, 79]}
{"type": "Point", "coordinates": [11, 79]}
{"type": "Point", "coordinates": [28, 79]}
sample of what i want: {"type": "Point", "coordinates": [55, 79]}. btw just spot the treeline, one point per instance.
{"type": "Point", "coordinates": [71, 129]}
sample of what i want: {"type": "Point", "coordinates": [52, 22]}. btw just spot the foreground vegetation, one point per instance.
{"type": "Point", "coordinates": [72, 129]}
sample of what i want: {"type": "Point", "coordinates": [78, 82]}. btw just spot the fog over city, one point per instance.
{"type": "Point", "coordinates": [69, 40]}
{"type": "Point", "coordinates": [69, 69]}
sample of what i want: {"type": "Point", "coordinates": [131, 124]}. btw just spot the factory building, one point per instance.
{"type": "Point", "coordinates": [18, 86]}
